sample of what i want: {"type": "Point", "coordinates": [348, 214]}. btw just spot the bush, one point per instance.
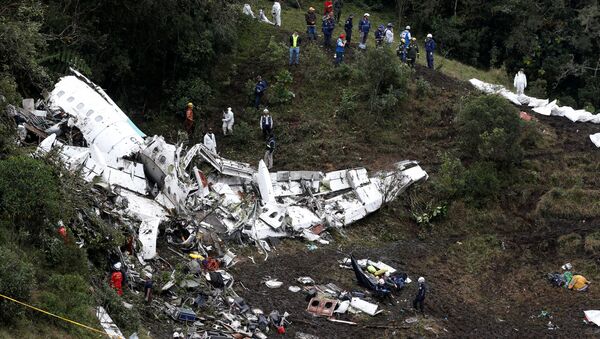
{"type": "Point", "coordinates": [592, 243]}
{"type": "Point", "coordinates": [489, 130]}
{"type": "Point", "coordinates": [127, 320]}
{"type": "Point", "coordinates": [569, 243]}
{"type": "Point", "coordinates": [16, 281]}
{"type": "Point", "coordinates": [481, 182]}
{"type": "Point", "coordinates": [280, 92]}
{"type": "Point", "coordinates": [423, 87]}
{"type": "Point", "coordinates": [450, 181]}
{"type": "Point", "coordinates": [69, 296]}
{"type": "Point", "coordinates": [242, 133]}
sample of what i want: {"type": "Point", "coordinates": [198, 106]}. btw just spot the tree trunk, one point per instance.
{"type": "Point", "coordinates": [400, 7]}
{"type": "Point", "coordinates": [455, 5]}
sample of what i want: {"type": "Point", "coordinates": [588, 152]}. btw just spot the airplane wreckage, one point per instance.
{"type": "Point", "coordinates": [157, 180]}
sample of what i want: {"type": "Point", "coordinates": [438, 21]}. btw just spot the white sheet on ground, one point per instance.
{"type": "Point", "coordinates": [593, 316]}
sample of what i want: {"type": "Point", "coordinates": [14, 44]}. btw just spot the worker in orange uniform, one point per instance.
{"type": "Point", "coordinates": [116, 279]}
{"type": "Point", "coordinates": [189, 118]}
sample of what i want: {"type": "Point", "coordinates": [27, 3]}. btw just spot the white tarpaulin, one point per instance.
{"type": "Point", "coordinates": [542, 106]}
{"type": "Point", "coordinates": [593, 316]}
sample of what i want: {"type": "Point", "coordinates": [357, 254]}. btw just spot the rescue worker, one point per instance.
{"type": "Point", "coordinates": [148, 285]}
{"type": "Point", "coordinates": [248, 11]}
{"type": "Point", "coordinates": [328, 26]}
{"type": "Point", "coordinates": [337, 10]}
{"type": "Point", "coordinates": [388, 34]}
{"type": "Point", "coordinates": [327, 7]}
{"type": "Point", "coordinates": [406, 35]}
{"type": "Point", "coordinates": [116, 279]}
{"type": "Point", "coordinates": [276, 11]}
{"type": "Point", "coordinates": [413, 52]}
{"type": "Point", "coordinates": [401, 51]}
{"type": "Point", "coordinates": [228, 121]}
{"type": "Point", "coordinates": [579, 283]}
{"type": "Point", "coordinates": [364, 26]}
{"type": "Point", "coordinates": [259, 90]}
{"type": "Point", "coordinates": [295, 41]}
{"type": "Point", "coordinates": [189, 119]}
{"type": "Point", "coordinates": [420, 297]}
{"type": "Point", "coordinates": [340, 47]}
{"type": "Point", "coordinates": [429, 49]}
{"type": "Point", "coordinates": [269, 152]}
{"type": "Point", "coordinates": [348, 29]}
{"type": "Point", "coordinates": [210, 142]}
{"type": "Point", "coordinates": [520, 82]}
{"type": "Point", "coordinates": [379, 35]}
{"type": "Point", "coordinates": [266, 124]}
{"type": "Point", "coordinates": [311, 24]}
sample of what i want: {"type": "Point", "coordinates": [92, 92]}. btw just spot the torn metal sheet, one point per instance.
{"type": "Point", "coordinates": [109, 326]}
{"type": "Point", "coordinates": [364, 306]}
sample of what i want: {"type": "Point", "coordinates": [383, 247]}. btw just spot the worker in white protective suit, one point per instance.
{"type": "Point", "coordinates": [276, 11]}
{"type": "Point", "coordinates": [228, 121]}
{"type": "Point", "coordinates": [248, 10]}
{"type": "Point", "coordinates": [520, 82]}
{"type": "Point", "coordinates": [262, 17]}
{"type": "Point", "coordinates": [210, 142]}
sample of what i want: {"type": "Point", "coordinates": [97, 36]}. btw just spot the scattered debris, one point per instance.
{"type": "Point", "coordinates": [364, 306]}
{"type": "Point", "coordinates": [273, 283]}
{"type": "Point", "coordinates": [321, 306]}
{"type": "Point", "coordinates": [592, 316]}
{"type": "Point", "coordinates": [107, 323]}
{"type": "Point", "coordinates": [294, 289]}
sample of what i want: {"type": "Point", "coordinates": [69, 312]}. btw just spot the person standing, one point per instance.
{"type": "Point", "coordinates": [364, 26]}
{"type": "Point", "coordinates": [228, 121]}
{"type": "Point", "coordinates": [295, 41]}
{"type": "Point", "coordinates": [406, 36]}
{"type": "Point", "coordinates": [337, 10]}
{"type": "Point", "coordinates": [339, 49]}
{"type": "Point", "coordinates": [429, 49]}
{"type": "Point", "coordinates": [210, 141]}
{"type": "Point", "coordinates": [420, 297]}
{"type": "Point", "coordinates": [276, 11]}
{"type": "Point", "coordinates": [189, 119]}
{"type": "Point", "coordinates": [520, 82]}
{"type": "Point", "coordinates": [311, 24]}
{"type": "Point", "coordinates": [148, 285]}
{"type": "Point", "coordinates": [269, 152]}
{"type": "Point", "coordinates": [379, 32]}
{"type": "Point", "coordinates": [266, 124]}
{"type": "Point", "coordinates": [327, 8]}
{"type": "Point", "coordinates": [413, 52]}
{"type": "Point", "coordinates": [259, 90]}
{"type": "Point", "coordinates": [401, 51]}
{"type": "Point", "coordinates": [348, 29]}
{"type": "Point", "coordinates": [116, 279]}
{"type": "Point", "coordinates": [388, 34]}
{"type": "Point", "coordinates": [328, 26]}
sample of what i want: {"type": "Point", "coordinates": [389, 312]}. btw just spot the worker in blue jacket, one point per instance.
{"type": "Point", "coordinates": [364, 26]}
{"type": "Point", "coordinates": [429, 49]}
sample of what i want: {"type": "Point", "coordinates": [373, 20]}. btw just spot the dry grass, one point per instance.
{"type": "Point", "coordinates": [574, 204]}
{"type": "Point", "coordinates": [592, 243]}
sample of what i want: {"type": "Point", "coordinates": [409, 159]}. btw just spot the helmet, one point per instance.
{"type": "Point", "coordinates": [421, 280]}
{"type": "Point", "coordinates": [367, 14]}
{"type": "Point", "coordinates": [312, 9]}
{"type": "Point", "coordinates": [414, 39]}
{"type": "Point", "coordinates": [342, 35]}
{"type": "Point", "coordinates": [190, 104]}
{"type": "Point", "coordinates": [390, 24]}
{"type": "Point", "coordinates": [407, 27]}
{"type": "Point", "coordinates": [429, 35]}
{"type": "Point", "coordinates": [117, 266]}
{"type": "Point", "coordinates": [402, 40]}
{"type": "Point", "coordinates": [265, 111]}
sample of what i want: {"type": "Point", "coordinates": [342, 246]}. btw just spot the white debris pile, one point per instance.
{"type": "Point", "coordinates": [542, 106]}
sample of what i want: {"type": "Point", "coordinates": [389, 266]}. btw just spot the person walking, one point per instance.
{"type": "Point", "coordinates": [269, 152]}
{"type": "Point", "coordinates": [337, 10]}
{"type": "Point", "coordinates": [340, 47]}
{"type": "Point", "coordinates": [364, 26]}
{"type": "Point", "coordinates": [388, 34]}
{"type": "Point", "coordinates": [189, 119]}
{"type": "Point", "coordinates": [259, 90]}
{"type": "Point", "coordinates": [228, 121]}
{"type": "Point", "coordinates": [429, 49]}
{"type": "Point", "coordinates": [276, 11]}
{"type": "Point", "coordinates": [418, 302]}
{"type": "Point", "coordinates": [210, 141]}
{"type": "Point", "coordinates": [348, 29]}
{"type": "Point", "coordinates": [520, 82]}
{"type": "Point", "coordinates": [413, 52]}
{"type": "Point", "coordinates": [266, 124]}
{"type": "Point", "coordinates": [328, 26]}
{"type": "Point", "coordinates": [295, 41]}
{"type": "Point", "coordinates": [311, 24]}
{"type": "Point", "coordinates": [116, 279]}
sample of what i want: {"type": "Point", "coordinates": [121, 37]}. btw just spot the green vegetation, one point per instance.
{"type": "Point", "coordinates": [573, 204]}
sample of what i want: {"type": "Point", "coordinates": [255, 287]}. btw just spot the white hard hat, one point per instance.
{"type": "Point", "coordinates": [117, 266]}
{"type": "Point", "coordinates": [229, 109]}
{"type": "Point", "coordinates": [148, 275]}
{"type": "Point", "coordinates": [407, 27]}
{"type": "Point", "coordinates": [265, 110]}
{"type": "Point", "coordinates": [367, 14]}
{"type": "Point", "coordinates": [429, 35]}
{"type": "Point", "coordinates": [421, 280]}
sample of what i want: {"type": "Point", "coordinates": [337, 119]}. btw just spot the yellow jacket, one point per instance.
{"type": "Point", "coordinates": [578, 282]}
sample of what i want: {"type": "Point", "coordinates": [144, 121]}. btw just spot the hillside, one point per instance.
{"type": "Point", "coordinates": [518, 202]}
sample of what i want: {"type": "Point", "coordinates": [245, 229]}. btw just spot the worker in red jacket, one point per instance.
{"type": "Point", "coordinates": [116, 279]}
{"type": "Point", "coordinates": [328, 7]}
